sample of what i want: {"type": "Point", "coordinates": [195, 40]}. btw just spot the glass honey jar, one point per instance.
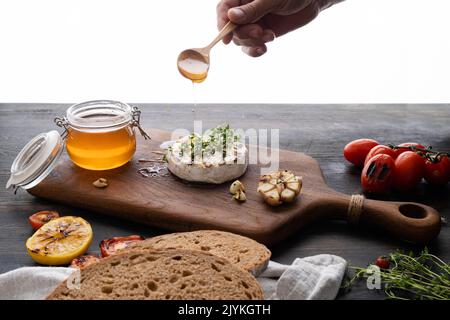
{"type": "Point", "coordinates": [98, 135]}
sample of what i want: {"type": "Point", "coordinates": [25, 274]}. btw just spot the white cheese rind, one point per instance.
{"type": "Point", "coordinates": [210, 170]}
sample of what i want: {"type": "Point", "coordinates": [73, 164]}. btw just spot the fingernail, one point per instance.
{"type": "Point", "coordinates": [259, 51]}
{"type": "Point", "coordinates": [238, 13]}
{"type": "Point", "coordinates": [246, 50]}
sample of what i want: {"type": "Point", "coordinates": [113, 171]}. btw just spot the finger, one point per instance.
{"type": "Point", "coordinates": [222, 16]}
{"type": "Point", "coordinates": [248, 42]}
{"type": "Point", "coordinates": [251, 11]}
{"type": "Point", "coordinates": [227, 39]}
{"type": "Point", "coordinates": [291, 22]}
{"type": "Point", "coordinates": [255, 51]}
{"type": "Point", "coordinates": [268, 35]}
{"type": "Point", "coordinates": [249, 31]}
{"type": "Point", "coordinates": [222, 11]}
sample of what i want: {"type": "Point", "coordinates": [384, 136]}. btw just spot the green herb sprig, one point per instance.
{"type": "Point", "coordinates": [220, 138]}
{"type": "Point", "coordinates": [425, 277]}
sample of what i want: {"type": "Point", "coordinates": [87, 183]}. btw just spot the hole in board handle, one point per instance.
{"type": "Point", "coordinates": [412, 211]}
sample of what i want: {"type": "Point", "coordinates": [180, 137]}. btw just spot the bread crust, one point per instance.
{"type": "Point", "coordinates": [241, 251]}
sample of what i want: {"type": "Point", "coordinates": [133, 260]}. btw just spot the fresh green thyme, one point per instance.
{"type": "Point", "coordinates": [424, 277]}
{"type": "Point", "coordinates": [220, 138]}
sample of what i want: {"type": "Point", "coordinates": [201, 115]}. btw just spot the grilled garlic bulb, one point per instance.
{"type": "Point", "coordinates": [279, 187]}
{"type": "Point", "coordinates": [237, 189]}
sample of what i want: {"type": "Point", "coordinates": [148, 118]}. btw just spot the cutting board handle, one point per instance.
{"type": "Point", "coordinates": [409, 221]}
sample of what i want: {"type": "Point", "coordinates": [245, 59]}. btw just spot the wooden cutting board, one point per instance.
{"type": "Point", "coordinates": [170, 203]}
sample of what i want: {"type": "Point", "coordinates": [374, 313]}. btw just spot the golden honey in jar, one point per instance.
{"type": "Point", "coordinates": [101, 150]}
{"type": "Point", "coordinates": [100, 134]}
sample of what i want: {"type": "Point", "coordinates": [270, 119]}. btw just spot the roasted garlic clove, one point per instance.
{"type": "Point", "coordinates": [240, 196]}
{"type": "Point", "coordinates": [238, 191]}
{"type": "Point", "coordinates": [279, 187]}
{"type": "Point", "coordinates": [236, 186]}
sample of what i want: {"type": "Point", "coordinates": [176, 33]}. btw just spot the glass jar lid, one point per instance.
{"type": "Point", "coordinates": [99, 115]}
{"type": "Point", "coordinates": [36, 160]}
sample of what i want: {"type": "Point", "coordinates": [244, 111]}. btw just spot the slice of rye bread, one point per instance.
{"type": "Point", "coordinates": [172, 274]}
{"type": "Point", "coordinates": [241, 251]}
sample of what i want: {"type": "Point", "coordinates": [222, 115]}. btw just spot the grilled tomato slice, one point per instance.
{"type": "Point", "coordinates": [60, 240]}
{"type": "Point", "coordinates": [111, 246]}
{"type": "Point", "coordinates": [40, 218]}
{"type": "Point", "coordinates": [82, 262]}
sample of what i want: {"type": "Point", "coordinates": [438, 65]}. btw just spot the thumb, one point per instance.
{"type": "Point", "coordinates": [250, 12]}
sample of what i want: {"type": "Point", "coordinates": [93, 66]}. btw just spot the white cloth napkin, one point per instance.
{"type": "Point", "coordinates": [31, 283]}
{"type": "Point", "coordinates": [316, 277]}
{"type": "Point", "coordinates": [311, 278]}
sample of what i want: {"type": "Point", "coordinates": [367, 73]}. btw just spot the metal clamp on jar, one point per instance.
{"type": "Point", "coordinates": [98, 135]}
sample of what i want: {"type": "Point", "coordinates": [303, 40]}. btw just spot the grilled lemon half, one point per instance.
{"type": "Point", "coordinates": [59, 241]}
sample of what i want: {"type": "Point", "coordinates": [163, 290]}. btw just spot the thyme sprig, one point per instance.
{"type": "Point", "coordinates": [220, 138]}
{"type": "Point", "coordinates": [425, 277]}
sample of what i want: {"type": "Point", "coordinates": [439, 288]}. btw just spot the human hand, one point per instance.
{"type": "Point", "coordinates": [260, 21]}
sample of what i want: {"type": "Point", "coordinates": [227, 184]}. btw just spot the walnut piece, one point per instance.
{"type": "Point", "coordinates": [100, 183]}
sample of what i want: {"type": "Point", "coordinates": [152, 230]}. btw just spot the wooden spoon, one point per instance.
{"type": "Point", "coordinates": [194, 63]}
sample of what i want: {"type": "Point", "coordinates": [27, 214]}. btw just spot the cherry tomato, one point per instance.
{"type": "Point", "coordinates": [357, 150]}
{"type": "Point", "coordinates": [437, 172]}
{"type": "Point", "coordinates": [407, 144]}
{"type": "Point", "coordinates": [409, 170]}
{"type": "Point", "coordinates": [377, 174]}
{"type": "Point", "coordinates": [111, 246]}
{"type": "Point", "coordinates": [40, 218]}
{"type": "Point", "coordinates": [383, 262]}
{"type": "Point", "coordinates": [380, 149]}
{"type": "Point", "coordinates": [82, 262]}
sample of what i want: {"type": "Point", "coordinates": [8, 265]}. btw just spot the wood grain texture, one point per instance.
{"type": "Point", "coordinates": [173, 204]}
{"type": "Point", "coordinates": [318, 130]}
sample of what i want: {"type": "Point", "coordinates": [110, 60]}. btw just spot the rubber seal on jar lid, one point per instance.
{"type": "Point", "coordinates": [36, 160]}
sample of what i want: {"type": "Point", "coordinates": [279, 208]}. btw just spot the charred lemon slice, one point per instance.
{"type": "Point", "coordinates": [279, 187]}
{"type": "Point", "coordinates": [59, 241]}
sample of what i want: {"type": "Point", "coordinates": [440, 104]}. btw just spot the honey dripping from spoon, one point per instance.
{"type": "Point", "coordinates": [193, 64]}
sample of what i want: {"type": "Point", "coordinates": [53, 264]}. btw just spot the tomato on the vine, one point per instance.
{"type": "Point", "coordinates": [407, 144]}
{"type": "Point", "coordinates": [377, 174]}
{"type": "Point", "coordinates": [383, 262]}
{"type": "Point", "coordinates": [357, 150]}
{"type": "Point", "coordinates": [409, 170]}
{"type": "Point", "coordinates": [380, 149]}
{"type": "Point", "coordinates": [437, 173]}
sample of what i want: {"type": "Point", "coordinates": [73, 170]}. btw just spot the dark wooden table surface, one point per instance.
{"type": "Point", "coordinates": [318, 130]}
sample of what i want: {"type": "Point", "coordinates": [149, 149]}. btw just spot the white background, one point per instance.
{"type": "Point", "coordinates": [357, 51]}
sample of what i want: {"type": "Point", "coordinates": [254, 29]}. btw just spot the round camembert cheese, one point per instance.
{"type": "Point", "coordinates": [215, 157]}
